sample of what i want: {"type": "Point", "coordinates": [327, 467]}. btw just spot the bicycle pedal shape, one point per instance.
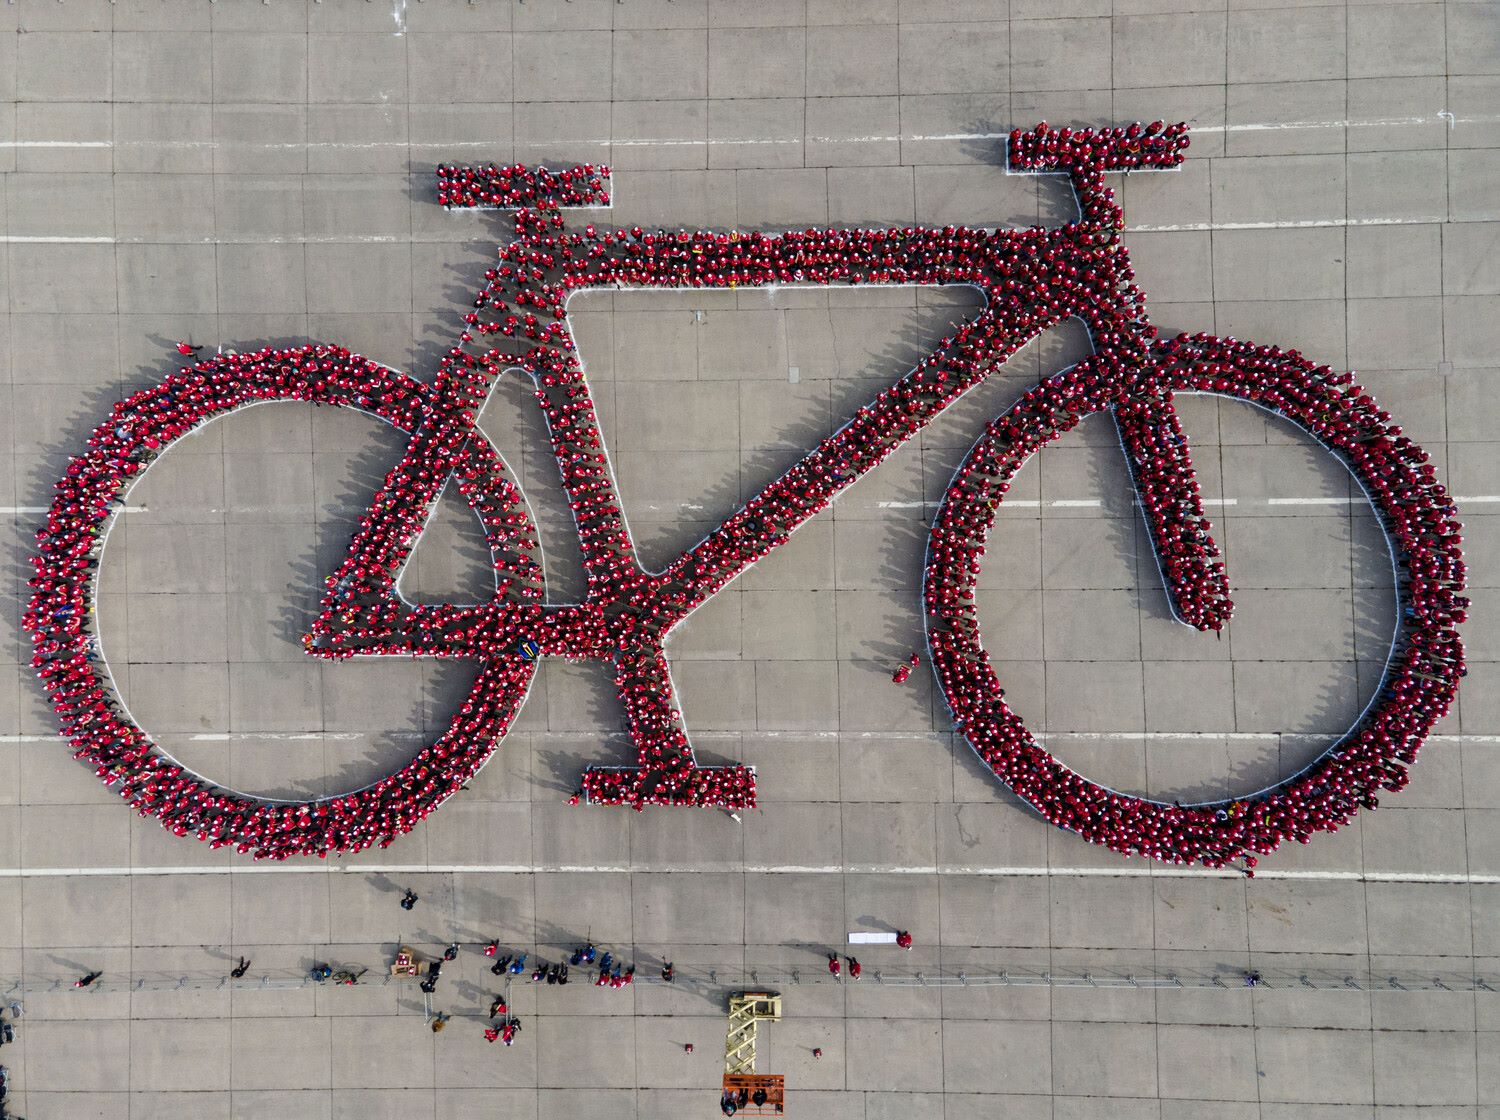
{"type": "Point", "coordinates": [1032, 279]}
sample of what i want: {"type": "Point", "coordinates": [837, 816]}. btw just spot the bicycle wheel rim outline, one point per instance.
{"type": "Point", "coordinates": [1324, 795]}
{"type": "Point", "coordinates": [91, 713]}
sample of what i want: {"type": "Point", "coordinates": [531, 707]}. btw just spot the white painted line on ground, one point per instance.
{"type": "Point", "coordinates": [1208, 736]}
{"type": "Point", "coordinates": [31, 510]}
{"type": "Point", "coordinates": [1115, 872]}
{"type": "Point", "coordinates": [1443, 116]}
{"type": "Point", "coordinates": [278, 736]}
{"type": "Point", "coordinates": [802, 736]}
{"type": "Point", "coordinates": [391, 239]}
{"type": "Point", "coordinates": [18, 239]}
{"type": "Point", "coordinates": [1310, 223]}
{"type": "Point", "coordinates": [56, 144]}
{"type": "Point", "coordinates": [1009, 503]}
{"type": "Point", "coordinates": [1096, 503]}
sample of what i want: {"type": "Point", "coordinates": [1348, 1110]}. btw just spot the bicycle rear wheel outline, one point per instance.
{"type": "Point", "coordinates": [92, 711]}
{"type": "Point", "coordinates": [1425, 658]}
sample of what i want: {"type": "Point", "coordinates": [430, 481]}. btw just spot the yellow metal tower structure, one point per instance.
{"type": "Point", "coordinates": [747, 1093]}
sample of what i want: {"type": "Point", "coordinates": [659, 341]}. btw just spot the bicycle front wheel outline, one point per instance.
{"type": "Point", "coordinates": [81, 688]}
{"type": "Point", "coordinates": [1422, 672]}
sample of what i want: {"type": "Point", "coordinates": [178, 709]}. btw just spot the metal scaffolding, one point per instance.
{"type": "Point", "coordinates": [747, 1010]}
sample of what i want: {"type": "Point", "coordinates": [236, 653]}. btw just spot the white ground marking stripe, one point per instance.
{"type": "Point", "coordinates": [1120, 872]}
{"type": "Point", "coordinates": [391, 239]}
{"type": "Point", "coordinates": [1309, 223]}
{"type": "Point", "coordinates": [1443, 115]}
{"type": "Point", "coordinates": [28, 510]}
{"type": "Point", "coordinates": [17, 239]}
{"type": "Point", "coordinates": [1010, 503]}
{"type": "Point", "coordinates": [1096, 503]}
{"type": "Point", "coordinates": [798, 736]}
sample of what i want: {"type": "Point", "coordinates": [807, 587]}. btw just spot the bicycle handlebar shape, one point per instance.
{"type": "Point", "coordinates": [1031, 279]}
{"type": "Point", "coordinates": [1094, 151]}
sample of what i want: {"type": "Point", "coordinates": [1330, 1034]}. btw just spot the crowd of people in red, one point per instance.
{"type": "Point", "coordinates": [1032, 279]}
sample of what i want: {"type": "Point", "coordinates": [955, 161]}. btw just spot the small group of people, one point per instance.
{"type": "Point", "coordinates": [542, 973]}
{"type": "Point", "coordinates": [505, 1031]}
{"type": "Point", "coordinates": [611, 973]}
{"type": "Point", "coordinates": [503, 1025]}
{"type": "Point", "coordinates": [852, 965]}
{"type": "Point", "coordinates": [733, 1100]}
{"type": "Point", "coordinates": [903, 671]}
{"type": "Point", "coordinates": [856, 970]}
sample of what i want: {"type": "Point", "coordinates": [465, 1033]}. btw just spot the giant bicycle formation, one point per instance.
{"type": "Point", "coordinates": [1031, 280]}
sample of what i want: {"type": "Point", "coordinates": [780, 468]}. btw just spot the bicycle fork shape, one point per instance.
{"type": "Point", "coordinates": [1032, 279]}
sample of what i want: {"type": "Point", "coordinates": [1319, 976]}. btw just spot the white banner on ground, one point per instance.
{"type": "Point", "coordinates": [862, 938]}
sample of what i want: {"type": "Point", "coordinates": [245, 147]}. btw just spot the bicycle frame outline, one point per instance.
{"type": "Point", "coordinates": [968, 269]}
